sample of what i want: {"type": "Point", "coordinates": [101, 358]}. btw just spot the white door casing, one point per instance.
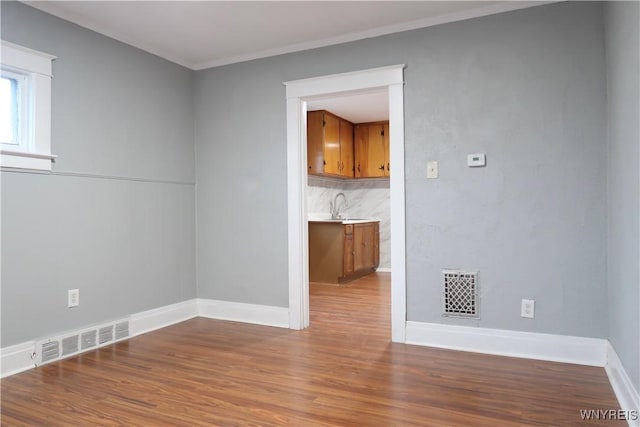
{"type": "Point", "coordinates": [385, 78]}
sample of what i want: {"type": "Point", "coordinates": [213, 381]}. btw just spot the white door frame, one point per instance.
{"type": "Point", "coordinates": [391, 79]}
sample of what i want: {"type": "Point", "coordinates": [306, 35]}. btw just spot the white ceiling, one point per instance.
{"type": "Point", "coordinates": [360, 108]}
{"type": "Point", "coordinates": [204, 34]}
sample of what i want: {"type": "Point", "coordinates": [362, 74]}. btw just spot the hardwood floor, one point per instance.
{"type": "Point", "coordinates": [342, 371]}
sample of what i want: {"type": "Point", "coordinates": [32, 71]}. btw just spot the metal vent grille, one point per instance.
{"type": "Point", "coordinates": [122, 330]}
{"type": "Point", "coordinates": [49, 351]}
{"type": "Point", "coordinates": [55, 348]}
{"type": "Point", "coordinates": [460, 293]}
{"type": "Point", "coordinates": [105, 334]}
{"type": "Point", "coordinates": [70, 345]}
{"type": "Point", "coordinates": [88, 339]}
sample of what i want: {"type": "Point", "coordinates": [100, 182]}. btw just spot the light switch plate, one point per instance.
{"type": "Point", "coordinates": [432, 169]}
{"type": "Point", "coordinates": [476, 160]}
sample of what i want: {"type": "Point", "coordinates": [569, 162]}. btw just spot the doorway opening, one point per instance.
{"type": "Point", "coordinates": [389, 79]}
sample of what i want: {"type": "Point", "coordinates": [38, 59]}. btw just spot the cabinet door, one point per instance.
{"type": "Point", "coordinates": [346, 149]}
{"type": "Point", "coordinates": [387, 162]}
{"type": "Point", "coordinates": [363, 246]}
{"type": "Point", "coordinates": [331, 145]}
{"type": "Point", "coordinates": [360, 143]}
{"type": "Point", "coordinates": [363, 160]}
{"type": "Point", "coordinates": [315, 143]}
{"type": "Point", "coordinates": [376, 164]}
{"type": "Point", "coordinates": [358, 248]}
{"type": "Point", "coordinates": [348, 250]}
{"type": "Point", "coordinates": [376, 244]}
{"type": "Point", "coordinates": [370, 151]}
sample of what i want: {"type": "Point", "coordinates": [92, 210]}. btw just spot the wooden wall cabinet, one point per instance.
{"type": "Point", "coordinates": [329, 145]}
{"type": "Point", "coordinates": [340, 252]}
{"type": "Point", "coordinates": [371, 146]}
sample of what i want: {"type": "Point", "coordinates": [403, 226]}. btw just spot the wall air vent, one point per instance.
{"type": "Point", "coordinates": [122, 330]}
{"type": "Point", "coordinates": [105, 334]}
{"type": "Point", "coordinates": [49, 350]}
{"type": "Point", "coordinates": [88, 339]}
{"type": "Point", "coordinates": [61, 346]}
{"type": "Point", "coordinates": [460, 293]}
{"type": "Point", "coordinates": [70, 345]}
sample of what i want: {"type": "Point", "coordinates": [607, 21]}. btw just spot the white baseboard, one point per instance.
{"type": "Point", "coordinates": [16, 358]}
{"type": "Point", "coordinates": [626, 393]}
{"type": "Point", "coordinates": [247, 313]}
{"type": "Point", "coordinates": [556, 348]}
{"type": "Point", "coordinates": [161, 317]}
{"type": "Point", "coordinates": [384, 270]}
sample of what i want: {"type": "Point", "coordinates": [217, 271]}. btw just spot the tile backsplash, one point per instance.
{"type": "Point", "coordinates": [366, 198]}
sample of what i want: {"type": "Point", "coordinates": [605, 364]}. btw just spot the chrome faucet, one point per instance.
{"type": "Point", "coordinates": [333, 206]}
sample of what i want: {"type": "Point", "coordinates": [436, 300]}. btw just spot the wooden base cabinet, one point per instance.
{"type": "Point", "coordinates": [365, 246]}
{"type": "Point", "coordinates": [340, 252]}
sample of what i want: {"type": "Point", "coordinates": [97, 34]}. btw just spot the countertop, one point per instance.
{"type": "Point", "coordinates": [345, 221]}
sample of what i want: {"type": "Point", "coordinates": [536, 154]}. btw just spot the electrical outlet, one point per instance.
{"type": "Point", "coordinates": [528, 308]}
{"type": "Point", "coordinates": [73, 298]}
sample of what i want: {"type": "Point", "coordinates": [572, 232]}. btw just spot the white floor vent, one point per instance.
{"type": "Point", "coordinates": [70, 345]}
{"type": "Point", "coordinates": [49, 350]}
{"type": "Point", "coordinates": [122, 330]}
{"type": "Point", "coordinates": [460, 293]}
{"type": "Point", "coordinates": [105, 334]}
{"type": "Point", "coordinates": [66, 345]}
{"type": "Point", "coordinates": [88, 339]}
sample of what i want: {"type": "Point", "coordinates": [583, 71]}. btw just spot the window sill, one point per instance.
{"type": "Point", "coordinates": [26, 160]}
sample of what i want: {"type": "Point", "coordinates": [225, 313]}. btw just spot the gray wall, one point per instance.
{"type": "Point", "coordinates": [116, 218]}
{"type": "Point", "coordinates": [527, 88]}
{"type": "Point", "coordinates": [622, 20]}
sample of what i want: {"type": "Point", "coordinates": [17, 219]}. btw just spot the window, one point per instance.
{"type": "Point", "coordinates": [25, 108]}
{"type": "Point", "coordinates": [12, 102]}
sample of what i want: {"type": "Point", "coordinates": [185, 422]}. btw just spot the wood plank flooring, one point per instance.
{"type": "Point", "coordinates": [342, 371]}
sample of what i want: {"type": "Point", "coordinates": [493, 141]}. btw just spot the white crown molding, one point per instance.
{"type": "Point", "coordinates": [506, 6]}
{"type": "Point", "coordinates": [529, 345]}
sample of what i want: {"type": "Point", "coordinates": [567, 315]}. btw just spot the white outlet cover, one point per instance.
{"type": "Point", "coordinates": [73, 298]}
{"type": "Point", "coordinates": [527, 308]}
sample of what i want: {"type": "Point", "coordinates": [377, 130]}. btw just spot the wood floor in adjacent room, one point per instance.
{"type": "Point", "coordinates": [342, 371]}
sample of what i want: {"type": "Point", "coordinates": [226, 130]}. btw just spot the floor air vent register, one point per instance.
{"type": "Point", "coordinates": [460, 293]}
{"type": "Point", "coordinates": [73, 343]}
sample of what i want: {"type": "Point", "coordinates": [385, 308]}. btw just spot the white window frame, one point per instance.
{"type": "Point", "coordinates": [22, 130]}
{"type": "Point", "coordinates": [34, 150]}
